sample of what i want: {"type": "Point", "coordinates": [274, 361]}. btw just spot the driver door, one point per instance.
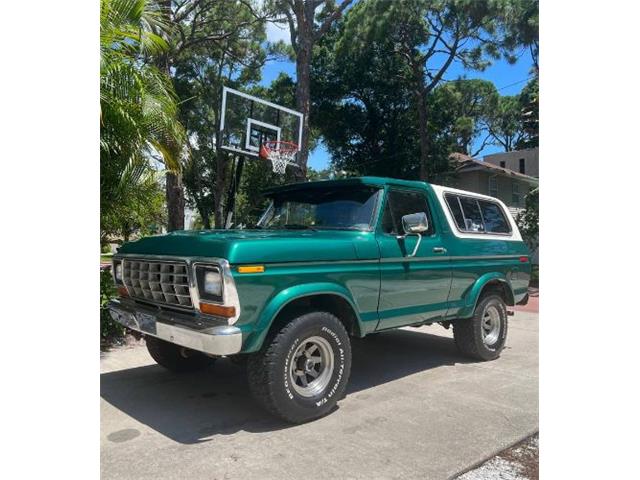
{"type": "Point", "coordinates": [412, 289]}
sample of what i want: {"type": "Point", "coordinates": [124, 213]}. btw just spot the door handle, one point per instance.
{"type": "Point", "coordinates": [439, 250]}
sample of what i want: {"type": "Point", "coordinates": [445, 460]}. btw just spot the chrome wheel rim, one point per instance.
{"type": "Point", "coordinates": [311, 366]}
{"type": "Point", "coordinates": [491, 322]}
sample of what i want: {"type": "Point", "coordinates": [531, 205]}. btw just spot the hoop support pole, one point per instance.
{"type": "Point", "coordinates": [236, 173]}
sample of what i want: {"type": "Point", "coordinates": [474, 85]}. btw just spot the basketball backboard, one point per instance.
{"type": "Point", "coordinates": [247, 122]}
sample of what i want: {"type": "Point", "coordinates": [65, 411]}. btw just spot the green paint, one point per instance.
{"type": "Point", "coordinates": [368, 269]}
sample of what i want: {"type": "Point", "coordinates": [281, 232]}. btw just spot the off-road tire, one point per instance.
{"type": "Point", "coordinates": [176, 358]}
{"type": "Point", "coordinates": [268, 370]}
{"type": "Point", "coordinates": [468, 335]}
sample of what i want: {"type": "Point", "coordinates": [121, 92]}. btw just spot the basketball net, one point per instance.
{"type": "Point", "coordinates": [280, 154]}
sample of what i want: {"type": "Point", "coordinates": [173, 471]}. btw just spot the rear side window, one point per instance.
{"type": "Point", "coordinates": [456, 210]}
{"type": "Point", "coordinates": [474, 215]}
{"type": "Point", "coordinates": [400, 203]}
{"type": "Point", "coordinates": [494, 219]}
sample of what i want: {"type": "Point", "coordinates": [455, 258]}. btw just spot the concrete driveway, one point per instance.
{"type": "Point", "coordinates": [415, 409]}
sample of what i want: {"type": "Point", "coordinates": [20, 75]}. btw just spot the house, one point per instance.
{"type": "Point", "coordinates": [483, 177]}
{"type": "Point", "coordinates": [521, 161]}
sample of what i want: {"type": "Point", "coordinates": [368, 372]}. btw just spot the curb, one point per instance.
{"type": "Point", "coordinates": [495, 453]}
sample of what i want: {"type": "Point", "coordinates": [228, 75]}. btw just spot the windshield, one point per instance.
{"type": "Point", "coordinates": [348, 208]}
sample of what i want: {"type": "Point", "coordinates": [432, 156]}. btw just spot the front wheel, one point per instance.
{"type": "Point", "coordinates": [302, 372]}
{"type": "Point", "coordinates": [484, 335]}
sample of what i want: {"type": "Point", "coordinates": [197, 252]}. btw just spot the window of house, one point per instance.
{"type": "Point", "coordinates": [400, 203]}
{"type": "Point", "coordinates": [493, 186]}
{"type": "Point", "coordinates": [521, 168]}
{"type": "Point", "coordinates": [474, 215]}
{"type": "Point", "coordinates": [503, 164]}
{"type": "Point", "coordinates": [515, 193]}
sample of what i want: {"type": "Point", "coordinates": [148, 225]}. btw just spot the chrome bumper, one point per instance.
{"type": "Point", "coordinates": [182, 329]}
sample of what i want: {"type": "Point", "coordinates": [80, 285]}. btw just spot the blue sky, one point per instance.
{"type": "Point", "coordinates": [509, 79]}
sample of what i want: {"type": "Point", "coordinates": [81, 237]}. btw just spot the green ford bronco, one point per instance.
{"type": "Point", "coordinates": [328, 261]}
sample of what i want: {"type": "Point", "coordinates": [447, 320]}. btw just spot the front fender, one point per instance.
{"type": "Point", "coordinates": [472, 297]}
{"type": "Point", "coordinates": [284, 298]}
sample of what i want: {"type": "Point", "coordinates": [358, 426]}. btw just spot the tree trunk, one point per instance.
{"type": "Point", "coordinates": [234, 186]}
{"type": "Point", "coordinates": [204, 214]}
{"type": "Point", "coordinates": [174, 188]}
{"type": "Point", "coordinates": [175, 202]}
{"type": "Point", "coordinates": [218, 195]}
{"type": "Point", "coordinates": [303, 99]}
{"type": "Point", "coordinates": [424, 135]}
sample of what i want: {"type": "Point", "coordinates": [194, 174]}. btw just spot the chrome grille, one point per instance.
{"type": "Point", "coordinates": [159, 282]}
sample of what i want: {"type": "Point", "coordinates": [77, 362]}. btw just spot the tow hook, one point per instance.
{"type": "Point", "coordinates": [446, 324]}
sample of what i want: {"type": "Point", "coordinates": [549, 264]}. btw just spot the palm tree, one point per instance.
{"type": "Point", "coordinates": [138, 106]}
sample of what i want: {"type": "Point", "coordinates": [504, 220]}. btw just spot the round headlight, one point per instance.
{"type": "Point", "coordinates": [213, 283]}
{"type": "Point", "coordinates": [119, 271]}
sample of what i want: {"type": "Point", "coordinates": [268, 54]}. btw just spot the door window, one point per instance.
{"type": "Point", "coordinates": [400, 203]}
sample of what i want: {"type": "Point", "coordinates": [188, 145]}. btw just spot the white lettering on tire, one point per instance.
{"type": "Point", "coordinates": [331, 392]}
{"type": "Point", "coordinates": [286, 369]}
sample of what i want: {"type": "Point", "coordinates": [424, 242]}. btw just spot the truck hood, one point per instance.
{"type": "Point", "coordinates": [260, 246]}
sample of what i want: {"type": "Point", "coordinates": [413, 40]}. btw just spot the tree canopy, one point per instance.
{"type": "Point", "coordinates": [428, 37]}
{"type": "Point", "coordinates": [138, 105]}
{"type": "Point", "coordinates": [308, 21]}
{"type": "Point", "coordinates": [200, 70]}
{"type": "Point", "coordinates": [373, 77]}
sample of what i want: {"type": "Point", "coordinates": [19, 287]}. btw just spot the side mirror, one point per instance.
{"type": "Point", "coordinates": [415, 223]}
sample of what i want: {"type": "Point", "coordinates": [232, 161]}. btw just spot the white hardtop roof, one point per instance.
{"type": "Point", "coordinates": [442, 188]}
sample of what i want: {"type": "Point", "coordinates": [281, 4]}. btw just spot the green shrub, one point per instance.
{"type": "Point", "coordinates": [528, 220]}
{"type": "Point", "coordinates": [535, 275]}
{"type": "Point", "coordinates": [109, 330]}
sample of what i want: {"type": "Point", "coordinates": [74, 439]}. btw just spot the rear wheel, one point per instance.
{"type": "Point", "coordinates": [302, 371]}
{"type": "Point", "coordinates": [176, 358]}
{"type": "Point", "coordinates": [484, 335]}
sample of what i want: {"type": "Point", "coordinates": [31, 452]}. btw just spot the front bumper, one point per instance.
{"type": "Point", "coordinates": [191, 331]}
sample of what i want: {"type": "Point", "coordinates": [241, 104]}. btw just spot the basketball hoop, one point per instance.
{"type": "Point", "coordinates": [279, 153]}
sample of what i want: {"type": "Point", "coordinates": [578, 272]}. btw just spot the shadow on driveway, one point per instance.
{"type": "Point", "coordinates": [191, 408]}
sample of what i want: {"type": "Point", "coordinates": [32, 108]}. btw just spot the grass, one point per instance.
{"type": "Point", "coordinates": [105, 257]}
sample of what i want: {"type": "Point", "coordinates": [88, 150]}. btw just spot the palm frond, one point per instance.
{"type": "Point", "coordinates": [138, 105]}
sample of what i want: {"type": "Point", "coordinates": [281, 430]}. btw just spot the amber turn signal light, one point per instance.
{"type": "Point", "coordinates": [251, 269]}
{"type": "Point", "coordinates": [122, 291]}
{"type": "Point", "coordinates": [219, 310]}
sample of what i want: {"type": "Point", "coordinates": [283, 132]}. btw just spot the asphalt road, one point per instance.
{"type": "Point", "coordinates": [415, 409]}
